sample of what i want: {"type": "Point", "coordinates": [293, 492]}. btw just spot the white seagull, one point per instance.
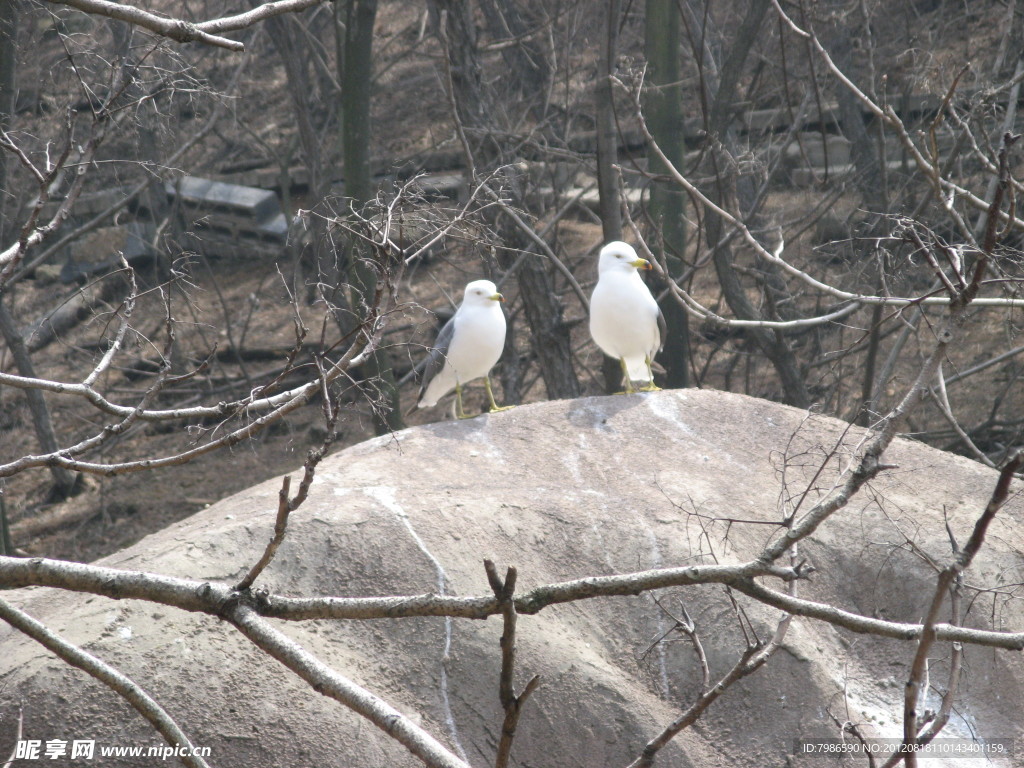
{"type": "Point", "coordinates": [625, 320]}
{"type": "Point", "coordinates": [467, 347]}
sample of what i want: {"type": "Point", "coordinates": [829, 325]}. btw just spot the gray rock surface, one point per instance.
{"type": "Point", "coordinates": [560, 490]}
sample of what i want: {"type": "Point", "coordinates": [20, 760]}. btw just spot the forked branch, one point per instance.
{"type": "Point", "coordinates": [754, 656]}
{"type": "Point", "coordinates": [183, 31]}
{"type": "Point", "coordinates": [944, 585]}
{"type": "Point", "coordinates": [286, 505]}
{"type": "Point", "coordinates": [510, 702]}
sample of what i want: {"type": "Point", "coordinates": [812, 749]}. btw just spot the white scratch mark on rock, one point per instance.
{"type": "Point", "coordinates": [490, 450]}
{"type": "Point", "coordinates": [666, 408]}
{"type": "Point", "coordinates": [571, 459]}
{"type": "Point", "coordinates": [385, 496]}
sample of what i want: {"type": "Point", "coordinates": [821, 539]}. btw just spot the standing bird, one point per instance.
{"type": "Point", "coordinates": [467, 347]}
{"type": "Point", "coordinates": [625, 320]}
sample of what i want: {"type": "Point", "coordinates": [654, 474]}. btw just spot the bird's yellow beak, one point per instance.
{"type": "Point", "coordinates": [641, 264]}
{"type": "Point", "coordinates": [497, 297]}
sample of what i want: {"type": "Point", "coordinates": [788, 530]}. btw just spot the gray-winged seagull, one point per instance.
{"type": "Point", "coordinates": [625, 320]}
{"type": "Point", "coordinates": [467, 347]}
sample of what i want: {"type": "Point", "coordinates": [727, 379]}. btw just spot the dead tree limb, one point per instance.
{"type": "Point", "coordinates": [183, 31]}
{"type": "Point", "coordinates": [119, 683]}
{"type": "Point", "coordinates": [325, 680]}
{"type": "Point", "coordinates": [510, 702]}
{"type": "Point", "coordinates": [210, 597]}
{"type": "Point", "coordinates": [286, 505]}
{"type": "Point", "coordinates": [945, 582]}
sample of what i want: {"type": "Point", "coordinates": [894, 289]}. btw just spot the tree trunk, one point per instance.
{"type": "Point", "coordinates": [543, 308]}
{"type": "Point", "coordinates": [663, 110]}
{"type": "Point", "coordinates": [526, 59]}
{"type": "Point", "coordinates": [356, 79]}
{"type": "Point", "coordinates": [609, 200]}
{"type": "Point", "coordinates": [458, 35]}
{"type": "Point", "coordinates": [8, 95]}
{"type": "Point", "coordinates": [550, 335]}
{"type": "Point", "coordinates": [865, 151]}
{"type": "Point", "coordinates": [300, 89]}
{"type": "Point", "coordinates": [725, 95]}
{"type": "Point", "coordinates": [315, 257]}
{"type": "Point", "coordinates": [63, 479]}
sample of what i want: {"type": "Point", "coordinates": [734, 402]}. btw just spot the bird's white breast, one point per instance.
{"type": "Point", "coordinates": [624, 316]}
{"type": "Point", "coordinates": [477, 343]}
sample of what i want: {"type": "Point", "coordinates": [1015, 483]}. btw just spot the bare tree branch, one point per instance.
{"type": "Point", "coordinates": [529, 231]}
{"type": "Point", "coordinates": [869, 464]}
{"type": "Point", "coordinates": [119, 683]}
{"type": "Point", "coordinates": [178, 30]}
{"type": "Point", "coordinates": [1013, 641]}
{"type": "Point", "coordinates": [210, 597]}
{"type": "Point", "coordinates": [943, 586]}
{"type": "Point", "coordinates": [776, 256]}
{"type": "Point", "coordinates": [942, 400]}
{"type": "Point", "coordinates": [286, 505]}
{"type": "Point", "coordinates": [280, 405]}
{"type": "Point", "coordinates": [888, 115]}
{"type": "Point", "coordinates": [328, 682]}
{"type": "Point", "coordinates": [510, 702]}
{"type": "Point", "coordinates": [751, 659]}
{"type": "Point", "coordinates": [183, 31]}
{"type": "Point", "coordinates": [259, 13]}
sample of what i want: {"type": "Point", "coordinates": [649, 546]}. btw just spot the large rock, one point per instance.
{"type": "Point", "coordinates": [560, 490]}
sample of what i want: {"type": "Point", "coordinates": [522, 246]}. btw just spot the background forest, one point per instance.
{"type": "Point", "coordinates": [228, 235]}
{"type": "Point", "coordinates": [814, 179]}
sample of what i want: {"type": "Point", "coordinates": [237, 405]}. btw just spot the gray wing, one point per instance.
{"type": "Point", "coordinates": [434, 362]}
{"type": "Point", "coordinates": [662, 330]}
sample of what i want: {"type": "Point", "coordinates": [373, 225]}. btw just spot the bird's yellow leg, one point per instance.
{"type": "Point", "coordinates": [651, 386]}
{"type": "Point", "coordinates": [490, 395]}
{"type": "Point", "coordinates": [625, 374]}
{"type": "Point", "coordinates": [460, 412]}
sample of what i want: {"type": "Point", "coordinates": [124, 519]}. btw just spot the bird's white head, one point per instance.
{"type": "Point", "coordinates": [620, 256]}
{"type": "Point", "coordinates": [481, 292]}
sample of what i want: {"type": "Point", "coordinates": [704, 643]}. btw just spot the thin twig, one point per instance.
{"type": "Point", "coordinates": [280, 405]}
{"type": "Point", "coordinates": [17, 737]}
{"type": "Point", "coordinates": [688, 628]}
{"type": "Point", "coordinates": [942, 400]}
{"type": "Point", "coordinates": [753, 658]}
{"type": "Point", "coordinates": [982, 366]}
{"type": "Point", "coordinates": [775, 257]}
{"type": "Point", "coordinates": [888, 116]}
{"type": "Point", "coordinates": [284, 508]}
{"type": "Point", "coordinates": [531, 233]}
{"type": "Point", "coordinates": [745, 665]}
{"type": "Point", "coordinates": [285, 505]}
